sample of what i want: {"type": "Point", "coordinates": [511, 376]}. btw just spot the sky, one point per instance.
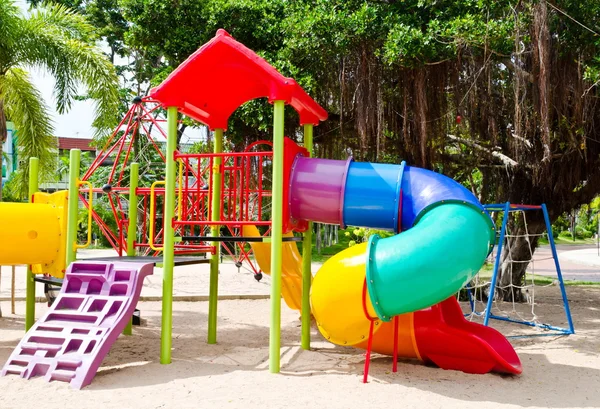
{"type": "Point", "coordinates": [77, 123]}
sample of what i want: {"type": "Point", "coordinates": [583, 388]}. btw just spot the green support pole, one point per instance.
{"type": "Point", "coordinates": [30, 297]}
{"type": "Point", "coordinates": [169, 239]}
{"type": "Point", "coordinates": [276, 234]}
{"type": "Point", "coordinates": [133, 208]}
{"type": "Point", "coordinates": [129, 328]}
{"type": "Point", "coordinates": [213, 293]}
{"type": "Point", "coordinates": [132, 226]}
{"type": "Point", "coordinates": [307, 257]}
{"type": "Point", "coordinates": [73, 205]}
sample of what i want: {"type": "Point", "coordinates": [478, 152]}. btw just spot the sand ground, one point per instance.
{"type": "Point", "coordinates": [559, 372]}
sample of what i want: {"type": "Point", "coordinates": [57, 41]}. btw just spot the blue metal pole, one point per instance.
{"type": "Point", "coordinates": [492, 293]}
{"type": "Point", "coordinates": [558, 271]}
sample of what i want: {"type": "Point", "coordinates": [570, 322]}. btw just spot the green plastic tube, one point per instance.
{"type": "Point", "coordinates": [429, 262]}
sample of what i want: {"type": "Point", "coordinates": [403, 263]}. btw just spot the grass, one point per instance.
{"type": "Point", "coordinates": [541, 280]}
{"type": "Point", "coordinates": [327, 252]}
{"type": "Point", "coordinates": [568, 241]}
{"type": "Point", "coordinates": [487, 270]}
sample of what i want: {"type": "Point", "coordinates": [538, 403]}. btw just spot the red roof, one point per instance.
{"type": "Point", "coordinates": [223, 74]}
{"type": "Point", "coordinates": [75, 143]}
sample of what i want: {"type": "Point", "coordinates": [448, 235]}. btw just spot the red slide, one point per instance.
{"type": "Point", "coordinates": [447, 339]}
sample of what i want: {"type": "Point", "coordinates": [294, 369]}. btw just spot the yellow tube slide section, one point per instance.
{"type": "Point", "coordinates": [291, 266]}
{"type": "Point", "coordinates": [29, 233]}
{"type": "Point", "coordinates": [337, 305]}
{"type": "Point", "coordinates": [336, 298]}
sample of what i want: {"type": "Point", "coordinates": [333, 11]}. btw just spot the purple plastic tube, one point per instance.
{"type": "Point", "coordinates": [318, 189]}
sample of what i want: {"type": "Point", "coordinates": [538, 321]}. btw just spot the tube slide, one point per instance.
{"type": "Point", "coordinates": [446, 236]}
{"type": "Point", "coordinates": [33, 233]}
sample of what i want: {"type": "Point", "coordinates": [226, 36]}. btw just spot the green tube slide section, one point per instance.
{"type": "Point", "coordinates": [430, 262]}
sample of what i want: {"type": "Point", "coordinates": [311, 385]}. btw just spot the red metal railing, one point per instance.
{"type": "Point", "coordinates": [245, 187]}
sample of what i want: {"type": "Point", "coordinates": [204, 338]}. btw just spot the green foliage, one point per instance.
{"type": "Point", "coordinates": [561, 224]}
{"type": "Point", "coordinates": [25, 107]}
{"type": "Point", "coordinates": [361, 234]}
{"type": "Point", "coordinates": [356, 235]}
{"type": "Point", "coordinates": [63, 42]}
{"type": "Point", "coordinates": [361, 60]}
{"type": "Point", "coordinates": [10, 193]}
{"type": "Point", "coordinates": [565, 234]}
{"type": "Point", "coordinates": [102, 209]}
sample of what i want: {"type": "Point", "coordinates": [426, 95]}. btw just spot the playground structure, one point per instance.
{"type": "Point", "coordinates": [364, 296]}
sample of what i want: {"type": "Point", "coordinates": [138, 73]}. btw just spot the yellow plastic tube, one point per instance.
{"type": "Point", "coordinates": [336, 298]}
{"type": "Point", "coordinates": [337, 305]}
{"type": "Point", "coordinates": [30, 233]}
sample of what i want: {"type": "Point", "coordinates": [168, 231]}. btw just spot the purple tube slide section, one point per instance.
{"type": "Point", "coordinates": [317, 189]}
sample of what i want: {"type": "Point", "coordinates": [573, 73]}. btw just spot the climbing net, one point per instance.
{"type": "Point", "coordinates": [518, 302]}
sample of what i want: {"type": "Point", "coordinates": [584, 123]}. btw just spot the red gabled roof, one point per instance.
{"type": "Point", "coordinates": [75, 143]}
{"type": "Point", "coordinates": [223, 74]}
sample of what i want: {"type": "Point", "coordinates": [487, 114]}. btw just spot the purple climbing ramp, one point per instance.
{"type": "Point", "coordinates": [93, 307]}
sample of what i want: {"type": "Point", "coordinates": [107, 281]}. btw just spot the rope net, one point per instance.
{"type": "Point", "coordinates": [536, 299]}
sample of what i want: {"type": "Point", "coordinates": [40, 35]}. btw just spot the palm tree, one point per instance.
{"type": "Point", "coordinates": [58, 40]}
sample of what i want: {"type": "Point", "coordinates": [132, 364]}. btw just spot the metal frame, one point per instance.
{"type": "Point", "coordinates": [507, 208]}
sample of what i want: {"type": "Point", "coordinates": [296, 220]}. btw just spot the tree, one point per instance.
{"type": "Point", "coordinates": [61, 41]}
{"type": "Point", "coordinates": [500, 91]}
{"type": "Point", "coordinates": [500, 95]}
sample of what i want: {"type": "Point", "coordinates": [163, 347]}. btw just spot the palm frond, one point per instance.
{"type": "Point", "coordinates": [61, 41]}
{"type": "Point", "coordinates": [65, 21]}
{"type": "Point", "coordinates": [9, 29]}
{"type": "Point", "coordinates": [25, 107]}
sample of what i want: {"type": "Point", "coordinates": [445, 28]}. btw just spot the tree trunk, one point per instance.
{"type": "Point", "coordinates": [318, 233]}
{"type": "Point", "coordinates": [3, 137]}
{"type": "Point", "coordinates": [517, 252]}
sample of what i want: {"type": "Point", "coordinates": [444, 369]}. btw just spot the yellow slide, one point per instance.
{"type": "Point", "coordinates": [291, 266]}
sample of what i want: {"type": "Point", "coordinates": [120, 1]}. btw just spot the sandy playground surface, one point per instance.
{"type": "Point", "coordinates": [559, 372]}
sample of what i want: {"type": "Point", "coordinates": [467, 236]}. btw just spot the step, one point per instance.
{"type": "Point", "coordinates": [15, 369]}
{"type": "Point", "coordinates": [66, 363]}
{"type": "Point", "coordinates": [62, 375]}
{"type": "Point", "coordinates": [71, 343]}
{"type": "Point", "coordinates": [40, 345]}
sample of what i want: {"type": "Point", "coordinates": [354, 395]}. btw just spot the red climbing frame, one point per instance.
{"type": "Point", "coordinates": [246, 192]}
